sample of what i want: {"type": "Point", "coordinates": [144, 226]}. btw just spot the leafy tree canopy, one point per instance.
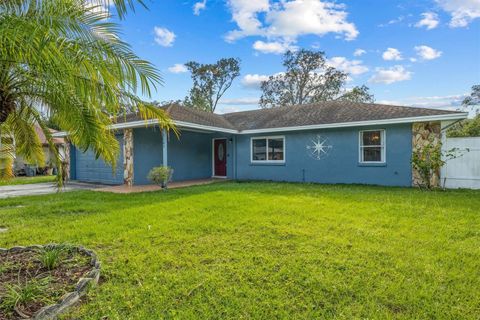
{"type": "Point", "coordinates": [210, 81]}
{"type": "Point", "coordinates": [468, 127]}
{"type": "Point", "coordinates": [474, 98]}
{"type": "Point", "coordinates": [65, 59]}
{"type": "Point", "coordinates": [309, 79]}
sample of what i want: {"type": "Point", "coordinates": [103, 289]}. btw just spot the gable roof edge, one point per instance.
{"type": "Point", "coordinates": [443, 117]}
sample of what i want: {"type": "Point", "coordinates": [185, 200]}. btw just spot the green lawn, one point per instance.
{"type": "Point", "coordinates": [27, 180]}
{"type": "Point", "coordinates": [267, 250]}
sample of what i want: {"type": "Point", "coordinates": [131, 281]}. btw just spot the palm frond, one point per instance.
{"type": "Point", "coordinates": [65, 58]}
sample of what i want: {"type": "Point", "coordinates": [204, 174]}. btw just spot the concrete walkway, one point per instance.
{"type": "Point", "coordinates": [147, 188]}
{"type": "Point", "coordinates": [41, 188]}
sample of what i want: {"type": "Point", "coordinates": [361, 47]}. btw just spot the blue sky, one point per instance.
{"type": "Point", "coordinates": [421, 53]}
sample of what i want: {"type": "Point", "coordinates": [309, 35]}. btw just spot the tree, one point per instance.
{"type": "Point", "coordinates": [474, 98]}
{"type": "Point", "coordinates": [63, 58]}
{"type": "Point", "coordinates": [210, 81]}
{"type": "Point", "coordinates": [358, 94]}
{"type": "Point", "coordinates": [468, 127]}
{"type": "Point", "coordinates": [308, 79]}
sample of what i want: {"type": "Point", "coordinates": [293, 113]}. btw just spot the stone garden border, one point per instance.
{"type": "Point", "coordinates": [69, 299]}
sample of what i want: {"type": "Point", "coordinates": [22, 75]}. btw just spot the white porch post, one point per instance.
{"type": "Point", "coordinates": [164, 147]}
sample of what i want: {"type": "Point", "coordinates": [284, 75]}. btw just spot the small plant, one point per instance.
{"type": "Point", "coordinates": [160, 175]}
{"type": "Point", "coordinates": [429, 160]}
{"type": "Point", "coordinates": [51, 257]}
{"type": "Point", "coordinates": [20, 294]}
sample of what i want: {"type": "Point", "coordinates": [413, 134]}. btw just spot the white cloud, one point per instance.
{"type": "Point", "coordinates": [253, 81]}
{"type": "Point", "coordinates": [178, 68]}
{"type": "Point", "coordinates": [359, 52]}
{"type": "Point", "coordinates": [199, 6]}
{"type": "Point", "coordinates": [239, 101]}
{"type": "Point", "coordinates": [427, 53]}
{"type": "Point", "coordinates": [391, 75]}
{"type": "Point", "coordinates": [285, 21]}
{"type": "Point", "coordinates": [245, 15]}
{"type": "Point", "coordinates": [447, 102]}
{"type": "Point", "coordinates": [354, 67]}
{"type": "Point", "coordinates": [392, 54]}
{"type": "Point", "coordinates": [430, 21]}
{"type": "Point", "coordinates": [273, 47]}
{"type": "Point", "coordinates": [393, 21]}
{"type": "Point", "coordinates": [164, 37]}
{"type": "Point", "coordinates": [98, 6]}
{"type": "Point", "coordinates": [462, 11]}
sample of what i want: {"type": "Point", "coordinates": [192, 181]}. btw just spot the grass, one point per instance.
{"type": "Point", "coordinates": [267, 250]}
{"type": "Point", "coordinates": [27, 180]}
{"type": "Point", "coordinates": [22, 293]}
{"type": "Point", "coordinates": [51, 258]}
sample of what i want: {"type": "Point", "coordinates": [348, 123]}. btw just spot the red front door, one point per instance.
{"type": "Point", "coordinates": [220, 157]}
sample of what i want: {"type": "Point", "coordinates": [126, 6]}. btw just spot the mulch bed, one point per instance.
{"type": "Point", "coordinates": [24, 274]}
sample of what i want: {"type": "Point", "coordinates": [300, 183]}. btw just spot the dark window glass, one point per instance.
{"type": "Point", "coordinates": [372, 138]}
{"type": "Point", "coordinates": [373, 154]}
{"type": "Point", "coordinates": [275, 149]}
{"type": "Point", "coordinates": [259, 149]}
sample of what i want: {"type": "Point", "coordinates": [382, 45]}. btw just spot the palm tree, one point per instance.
{"type": "Point", "coordinates": [65, 58]}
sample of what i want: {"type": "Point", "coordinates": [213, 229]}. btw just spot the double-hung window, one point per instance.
{"type": "Point", "coordinates": [268, 150]}
{"type": "Point", "coordinates": [372, 146]}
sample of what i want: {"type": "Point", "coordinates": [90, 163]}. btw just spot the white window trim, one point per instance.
{"type": "Point", "coordinates": [266, 146]}
{"type": "Point", "coordinates": [383, 146]}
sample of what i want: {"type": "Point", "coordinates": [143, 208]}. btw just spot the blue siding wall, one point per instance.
{"type": "Point", "coordinates": [190, 155]}
{"type": "Point", "coordinates": [191, 158]}
{"type": "Point", "coordinates": [89, 169]}
{"type": "Point", "coordinates": [342, 163]}
{"type": "Point", "coordinates": [73, 162]}
{"type": "Point", "coordinates": [147, 153]}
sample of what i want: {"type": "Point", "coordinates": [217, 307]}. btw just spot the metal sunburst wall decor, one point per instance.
{"type": "Point", "coordinates": [319, 148]}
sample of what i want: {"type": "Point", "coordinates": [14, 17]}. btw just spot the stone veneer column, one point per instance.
{"type": "Point", "coordinates": [128, 157]}
{"type": "Point", "coordinates": [424, 133]}
{"type": "Point", "coordinates": [66, 160]}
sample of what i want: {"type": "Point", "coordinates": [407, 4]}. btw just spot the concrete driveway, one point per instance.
{"type": "Point", "coordinates": [42, 188]}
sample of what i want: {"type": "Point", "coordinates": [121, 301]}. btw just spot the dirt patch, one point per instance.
{"type": "Point", "coordinates": [32, 278]}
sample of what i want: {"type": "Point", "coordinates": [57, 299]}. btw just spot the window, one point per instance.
{"type": "Point", "coordinates": [372, 146]}
{"type": "Point", "coordinates": [268, 150]}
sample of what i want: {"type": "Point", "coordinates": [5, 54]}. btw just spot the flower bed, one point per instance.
{"type": "Point", "coordinates": [40, 282]}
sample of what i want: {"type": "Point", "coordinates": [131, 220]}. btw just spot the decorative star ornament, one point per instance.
{"type": "Point", "coordinates": [319, 148]}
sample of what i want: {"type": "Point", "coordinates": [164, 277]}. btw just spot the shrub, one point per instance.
{"type": "Point", "coordinates": [51, 257]}
{"type": "Point", "coordinates": [22, 293]}
{"type": "Point", "coordinates": [430, 159]}
{"type": "Point", "coordinates": [160, 175]}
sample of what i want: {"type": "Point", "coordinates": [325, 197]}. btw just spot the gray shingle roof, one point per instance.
{"type": "Point", "coordinates": [323, 113]}
{"type": "Point", "coordinates": [330, 112]}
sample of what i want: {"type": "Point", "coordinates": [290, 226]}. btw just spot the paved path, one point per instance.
{"type": "Point", "coordinates": [146, 188]}
{"type": "Point", "coordinates": [41, 188]}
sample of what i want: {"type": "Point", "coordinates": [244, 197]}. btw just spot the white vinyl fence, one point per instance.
{"type": "Point", "coordinates": [464, 171]}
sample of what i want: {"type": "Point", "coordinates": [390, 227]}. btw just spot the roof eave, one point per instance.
{"type": "Point", "coordinates": [189, 125]}
{"type": "Point", "coordinates": [146, 123]}
{"type": "Point", "coordinates": [443, 117]}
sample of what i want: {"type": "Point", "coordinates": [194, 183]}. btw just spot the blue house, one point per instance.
{"type": "Point", "coordinates": [328, 142]}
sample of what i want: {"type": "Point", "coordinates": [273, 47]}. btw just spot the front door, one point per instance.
{"type": "Point", "coordinates": [220, 157]}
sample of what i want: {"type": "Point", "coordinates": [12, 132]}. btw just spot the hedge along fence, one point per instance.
{"type": "Point", "coordinates": [69, 299]}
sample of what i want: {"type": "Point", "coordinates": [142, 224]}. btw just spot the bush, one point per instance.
{"type": "Point", "coordinates": [160, 175]}
{"type": "Point", "coordinates": [465, 128]}
{"type": "Point", "coordinates": [51, 258]}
